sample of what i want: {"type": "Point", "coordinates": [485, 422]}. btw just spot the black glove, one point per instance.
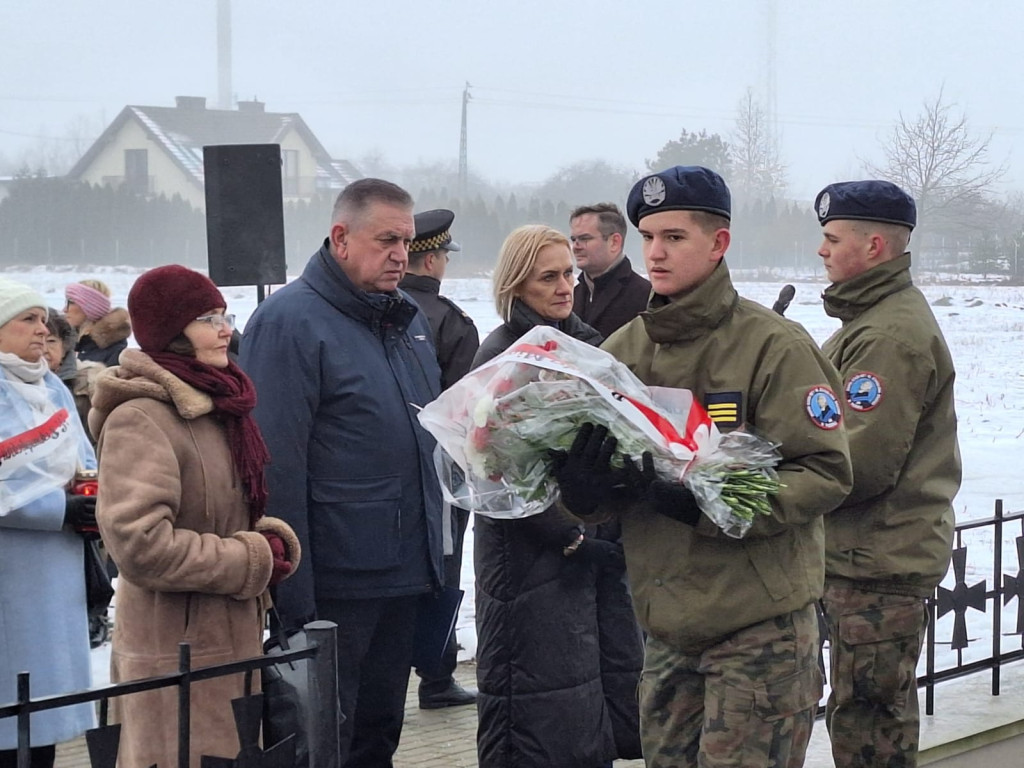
{"type": "Point", "coordinates": [80, 513]}
{"type": "Point", "coordinates": [584, 474]}
{"type": "Point", "coordinates": [603, 554]}
{"type": "Point", "coordinates": [672, 500]}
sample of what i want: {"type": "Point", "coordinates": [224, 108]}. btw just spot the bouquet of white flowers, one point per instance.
{"type": "Point", "coordinates": [496, 426]}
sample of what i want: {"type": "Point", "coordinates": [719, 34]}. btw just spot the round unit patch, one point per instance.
{"type": "Point", "coordinates": [654, 191]}
{"type": "Point", "coordinates": [823, 205]}
{"type": "Point", "coordinates": [823, 408]}
{"type": "Point", "coordinates": [863, 391]}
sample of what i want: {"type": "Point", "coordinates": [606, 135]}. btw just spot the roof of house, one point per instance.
{"type": "Point", "coordinates": [184, 130]}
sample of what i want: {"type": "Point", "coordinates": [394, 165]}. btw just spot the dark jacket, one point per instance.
{"type": "Point", "coordinates": [455, 336]}
{"type": "Point", "coordinates": [523, 319]}
{"type": "Point", "coordinates": [557, 666]}
{"type": "Point", "coordinates": [619, 295]}
{"type": "Point", "coordinates": [339, 373]}
{"type": "Point", "coordinates": [105, 339]}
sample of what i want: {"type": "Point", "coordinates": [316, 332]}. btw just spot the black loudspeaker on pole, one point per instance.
{"type": "Point", "coordinates": [244, 214]}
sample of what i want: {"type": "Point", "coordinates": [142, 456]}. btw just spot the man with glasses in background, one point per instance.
{"type": "Point", "coordinates": [609, 293]}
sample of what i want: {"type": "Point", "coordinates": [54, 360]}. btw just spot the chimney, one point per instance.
{"type": "Point", "coordinates": [252, 107]}
{"type": "Point", "coordinates": [224, 54]}
{"type": "Point", "coordinates": [190, 102]}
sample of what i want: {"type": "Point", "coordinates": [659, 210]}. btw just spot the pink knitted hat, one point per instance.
{"type": "Point", "coordinates": [93, 303]}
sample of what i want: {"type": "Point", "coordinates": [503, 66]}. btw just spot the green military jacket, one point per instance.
{"type": "Point", "coordinates": [747, 365]}
{"type": "Point", "coordinates": [895, 530]}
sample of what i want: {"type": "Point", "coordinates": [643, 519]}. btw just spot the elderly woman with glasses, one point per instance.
{"type": "Point", "coordinates": [43, 627]}
{"type": "Point", "coordinates": [181, 510]}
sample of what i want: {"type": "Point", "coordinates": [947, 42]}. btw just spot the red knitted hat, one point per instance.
{"type": "Point", "coordinates": [166, 299]}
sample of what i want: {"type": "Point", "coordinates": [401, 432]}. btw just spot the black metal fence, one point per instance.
{"type": "Point", "coordinates": [982, 599]}
{"type": "Point", "coordinates": [322, 713]}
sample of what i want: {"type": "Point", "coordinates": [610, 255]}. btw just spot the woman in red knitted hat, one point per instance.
{"type": "Point", "coordinates": [181, 503]}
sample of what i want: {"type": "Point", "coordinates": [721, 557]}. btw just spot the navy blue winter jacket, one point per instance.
{"type": "Point", "coordinates": [338, 373]}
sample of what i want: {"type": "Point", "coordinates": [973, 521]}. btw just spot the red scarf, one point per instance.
{"type": "Point", "coordinates": [234, 397]}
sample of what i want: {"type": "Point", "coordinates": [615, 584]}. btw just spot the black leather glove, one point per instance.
{"type": "Point", "coordinates": [80, 513]}
{"type": "Point", "coordinates": [673, 500]}
{"type": "Point", "coordinates": [603, 554]}
{"type": "Point", "coordinates": [584, 474]}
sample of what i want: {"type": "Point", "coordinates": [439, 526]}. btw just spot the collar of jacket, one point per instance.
{"type": "Point", "coordinates": [523, 319]}
{"type": "Point", "coordinates": [378, 311]}
{"type": "Point", "coordinates": [139, 375]}
{"type": "Point", "coordinates": [694, 313]}
{"type": "Point", "coordinates": [849, 299]}
{"type": "Point", "coordinates": [420, 284]}
{"type": "Point", "coordinates": [110, 329]}
{"type": "Point", "coordinates": [621, 270]}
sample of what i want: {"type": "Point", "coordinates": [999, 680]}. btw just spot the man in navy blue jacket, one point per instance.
{"type": "Point", "coordinates": [341, 358]}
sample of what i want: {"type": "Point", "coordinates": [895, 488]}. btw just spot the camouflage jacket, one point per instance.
{"type": "Point", "coordinates": [895, 529]}
{"type": "Point", "coordinates": [746, 365]}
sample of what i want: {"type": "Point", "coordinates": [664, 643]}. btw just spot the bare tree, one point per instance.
{"type": "Point", "coordinates": [935, 157]}
{"type": "Point", "coordinates": [55, 155]}
{"type": "Point", "coordinates": [758, 171]}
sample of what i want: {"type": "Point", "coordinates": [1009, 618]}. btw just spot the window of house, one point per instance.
{"type": "Point", "coordinates": [290, 171]}
{"type": "Point", "coordinates": [136, 170]}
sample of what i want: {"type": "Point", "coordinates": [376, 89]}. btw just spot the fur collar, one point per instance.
{"type": "Point", "coordinates": [139, 376]}
{"type": "Point", "coordinates": [113, 327]}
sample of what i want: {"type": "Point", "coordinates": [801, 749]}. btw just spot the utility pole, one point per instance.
{"type": "Point", "coordinates": [463, 155]}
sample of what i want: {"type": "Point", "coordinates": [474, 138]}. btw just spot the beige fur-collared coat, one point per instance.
{"type": "Point", "coordinates": [173, 516]}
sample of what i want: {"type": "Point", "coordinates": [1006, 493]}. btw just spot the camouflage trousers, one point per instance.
{"type": "Point", "coordinates": [874, 643]}
{"type": "Point", "coordinates": [748, 701]}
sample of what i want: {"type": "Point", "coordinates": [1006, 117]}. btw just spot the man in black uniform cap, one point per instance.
{"type": "Point", "coordinates": [456, 341]}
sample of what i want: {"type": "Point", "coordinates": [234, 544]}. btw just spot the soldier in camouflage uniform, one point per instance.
{"type": "Point", "coordinates": [889, 544]}
{"type": "Point", "coordinates": [730, 671]}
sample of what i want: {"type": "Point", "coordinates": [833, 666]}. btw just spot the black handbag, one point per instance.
{"type": "Point", "coordinates": [99, 590]}
{"type": "Point", "coordinates": [286, 696]}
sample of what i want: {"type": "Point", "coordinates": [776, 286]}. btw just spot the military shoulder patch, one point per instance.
{"type": "Point", "coordinates": [863, 391]}
{"type": "Point", "coordinates": [823, 407]}
{"type": "Point", "coordinates": [724, 408]}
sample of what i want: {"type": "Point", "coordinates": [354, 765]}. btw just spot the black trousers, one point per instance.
{"type": "Point", "coordinates": [41, 757]}
{"type": "Point", "coordinates": [452, 577]}
{"type": "Point", "coordinates": [375, 638]}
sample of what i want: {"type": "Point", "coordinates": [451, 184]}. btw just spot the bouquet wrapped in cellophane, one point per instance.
{"type": "Point", "coordinates": [496, 426]}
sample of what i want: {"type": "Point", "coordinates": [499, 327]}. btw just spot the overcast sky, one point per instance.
{"type": "Point", "coordinates": [553, 81]}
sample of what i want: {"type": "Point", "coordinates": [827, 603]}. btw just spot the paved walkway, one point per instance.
{"type": "Point", "coordinates": [434, 738]}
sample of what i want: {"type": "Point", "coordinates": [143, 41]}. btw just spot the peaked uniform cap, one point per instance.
{"type": "Point", "coordinates": [433, 231]}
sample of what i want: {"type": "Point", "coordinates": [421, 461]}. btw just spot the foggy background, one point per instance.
{"type": "Point", "coordinates": [568, 102]}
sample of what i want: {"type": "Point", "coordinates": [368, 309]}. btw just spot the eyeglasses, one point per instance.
{"type": "Point", "coordinates": [218, 321]}
{"type": "Point", "coordinates": [584, 239]}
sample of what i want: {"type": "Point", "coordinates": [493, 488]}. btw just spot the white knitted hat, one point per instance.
{"type": "Point", "coordinates": [15, 298]}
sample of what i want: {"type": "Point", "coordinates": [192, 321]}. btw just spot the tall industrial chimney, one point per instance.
{"type": "Point", "coordinates": [224, 54]}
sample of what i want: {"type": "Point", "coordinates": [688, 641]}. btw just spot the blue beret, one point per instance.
{"type": "Point", "coordinates": [682, 188]}
{"type": "Point", "coordinates": [433, 231]}
{"type": "Point", "coordinates": [871, 200]}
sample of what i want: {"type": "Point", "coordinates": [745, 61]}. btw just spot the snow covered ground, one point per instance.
{"type": "Point", "coordinates": [984, 326]}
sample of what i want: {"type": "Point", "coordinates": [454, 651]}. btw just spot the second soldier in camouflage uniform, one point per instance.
{"type": "Point", "coordinates": [889, 544]}
{"type": "Point", "coordinates": [730, 672]}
